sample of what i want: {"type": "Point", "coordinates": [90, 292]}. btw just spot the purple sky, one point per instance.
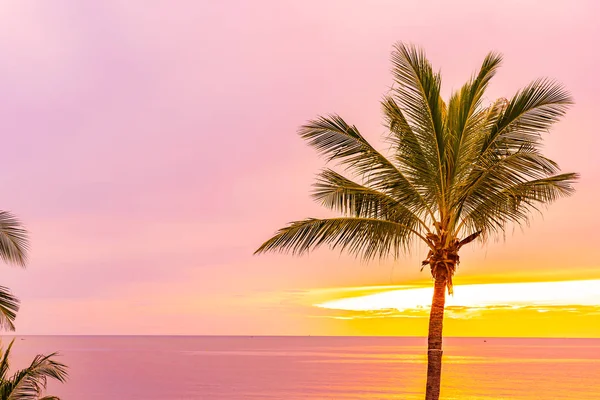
{"type": "Point", "coordinates": [150, 147]}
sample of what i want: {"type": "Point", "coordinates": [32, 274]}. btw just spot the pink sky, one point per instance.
{"type": "Point", "coordinates": [150, 147]}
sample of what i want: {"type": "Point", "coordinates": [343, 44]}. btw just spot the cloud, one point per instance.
{"type": "Point", "coordinates": [567, 296]}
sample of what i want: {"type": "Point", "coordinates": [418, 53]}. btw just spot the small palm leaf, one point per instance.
{"type": "Point", "coordinates": [5, 361]}
{"type": "Point", "coordinates": [14, 240]}
{"type": "Point", "coordinates": [9, 306]}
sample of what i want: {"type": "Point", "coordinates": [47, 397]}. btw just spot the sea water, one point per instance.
{"type": "Point", "coordinates": [218, 368]}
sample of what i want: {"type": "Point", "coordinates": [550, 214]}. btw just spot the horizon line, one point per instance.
{"type": "Point", "coordinates": [298, 336]}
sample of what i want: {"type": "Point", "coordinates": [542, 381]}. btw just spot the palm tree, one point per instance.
{"type": "Point", "coordinates": [458, 171]}
{"type": "Point", "coordinates": [29, 383]}
{"type": "Point", "coordinates": [14, 246]}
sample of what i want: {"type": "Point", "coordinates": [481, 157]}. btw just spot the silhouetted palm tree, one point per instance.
{"type": "Point", "coordinates": [457, 172]}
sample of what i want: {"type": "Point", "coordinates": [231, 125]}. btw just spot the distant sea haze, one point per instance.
{"type": "Point", "coordinates": [315, 368]}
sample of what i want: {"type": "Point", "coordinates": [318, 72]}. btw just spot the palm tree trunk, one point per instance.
{"type": "Point", "coordinates": [434, 340]}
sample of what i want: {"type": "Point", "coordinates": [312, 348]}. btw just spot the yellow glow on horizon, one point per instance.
{"type": "Point", "coordinates": [524, 309]}
{"type": "Point", "coordinates": [478, 296]}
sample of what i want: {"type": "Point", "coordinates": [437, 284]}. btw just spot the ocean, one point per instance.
{"type": "Point", "coordinates": [290, 368]}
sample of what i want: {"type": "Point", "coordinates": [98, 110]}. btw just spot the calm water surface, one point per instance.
{"type": "Point", "coordinates": [216, 368]}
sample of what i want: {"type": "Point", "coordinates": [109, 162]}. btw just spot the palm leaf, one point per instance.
{"type": "Point", "coordinates": [532, 111]}
{"type": "Point", "coordinates": [339, 193]}
{"type": "Point", "coordinates": [364, 237]}
{"type": "Point", "coordinates": [5, 361]}
{"type": "Point", "coordinates": [409, 153]}
{"type": "Point", "coordinates": [506, 171]}
{"type": "Point", "coordinates": [30, 383]}
{"type": "Point", "coordinates": [466, 118]}
{"type": "Point", "coordinates": [14, 240]}
{"type": "Point", "coordinates": [509, 141]}
{"type": "Point", "coordinates": [338, 141]}
{"type": "Point", "coordinates": [515, 203]}
{"type": "Point", "coordinates": [418, 95]}
{"type": "Point", "coordinates": [9, 306]}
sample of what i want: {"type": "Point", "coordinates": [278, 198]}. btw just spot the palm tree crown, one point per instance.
{"type": "Point", "coordinates": [458, 170]}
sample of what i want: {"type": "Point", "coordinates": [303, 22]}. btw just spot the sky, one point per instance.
{"type": "Point", "coordinates": [150, 147]}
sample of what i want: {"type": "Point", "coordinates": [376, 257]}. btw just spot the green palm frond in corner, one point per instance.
{"type": "Point", "coordinates": [31, 382]}
{"type": "Point", "coordinates": [14, 248]}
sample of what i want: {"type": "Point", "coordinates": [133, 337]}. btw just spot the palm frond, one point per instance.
{"type": "Point", "coordinates": [515, 203]}
{"type": "Point", "coordinates": [495, 176]}
{"type": "Point", "coordinates": [5, 361]}
{"type": "Point", "coordinates": [339, 193]}
{"type": "Point", "coordinates": [31, 382]}
{"type": "Point", "coordinates": [14, 240]}
{"type": "Point", "coordinates": [466, 119]}
{"type": "Point", "coordinates": [418, 95]}
{"type": "Point", "coordinates": [509, 144]}
{"type": "Point", "coordinates": [411, 159]}
{"type": "Point", "coordinates": [9, 306]}
{"type": "Point", "coordinates": [335, 139]}
{"type": "Point", "coordinates": [364, 237]}
{"type": "Point", "coordinates": [532, 111]}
